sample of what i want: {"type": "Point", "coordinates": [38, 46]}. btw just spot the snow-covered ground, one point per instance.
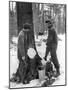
{"type": "Point", "coordinates": [41, 51]}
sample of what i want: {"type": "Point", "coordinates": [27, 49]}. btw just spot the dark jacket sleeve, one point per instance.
{"type": "Point", "coordinates": [55, 38]}
{"type": "Point", "coordinates": [21, 44]}
{"type": "Point", "coordinates": [52, 37]}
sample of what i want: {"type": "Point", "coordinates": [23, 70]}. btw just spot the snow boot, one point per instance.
{"type": "Point", "coordinates": [57, 73]}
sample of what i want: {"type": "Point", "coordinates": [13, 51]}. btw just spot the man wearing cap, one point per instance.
{"type": "Point", "coordinates": [29, 60]}
{"type": "Point", "coordinates": [28, 55]}
{"type": "Point", "coordinates": [23, 43]}
{"type": "Point", "coordinates": [52, 46]}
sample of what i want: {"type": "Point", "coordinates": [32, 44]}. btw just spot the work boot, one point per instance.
{"type": "Point", "coordinates": [15, 79]}
{"type": "Point", "coordinates": [57, 73]}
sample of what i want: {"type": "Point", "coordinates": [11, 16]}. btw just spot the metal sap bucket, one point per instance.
{"type": "Point", "coordinates": [41, 71]}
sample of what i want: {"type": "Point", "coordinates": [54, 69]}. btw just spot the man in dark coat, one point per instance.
{"type": "Point", "coordinates": [52, 46]}
{"type": "Point", "coordinates": [23, 44]}
{"type": "Point", "coordinates": [28, 67]}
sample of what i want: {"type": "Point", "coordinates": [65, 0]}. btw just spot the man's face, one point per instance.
{"type": "Point", "coordinates": [48, 25]}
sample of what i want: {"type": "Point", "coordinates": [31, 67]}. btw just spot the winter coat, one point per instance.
{"type": "Point", "coordinates": [52, 38]}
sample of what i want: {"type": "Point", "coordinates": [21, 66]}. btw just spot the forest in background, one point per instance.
{"type": "Point", "coordinates": [41, 12]}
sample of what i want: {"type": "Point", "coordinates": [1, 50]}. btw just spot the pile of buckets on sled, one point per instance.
{"type": "Point", "coordinates": [47, 73]}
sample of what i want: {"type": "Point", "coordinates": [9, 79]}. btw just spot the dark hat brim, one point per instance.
{"type": "Point", "coordinates": [27, 26]}
{"type": "Point", "coordinates": [26, 30]}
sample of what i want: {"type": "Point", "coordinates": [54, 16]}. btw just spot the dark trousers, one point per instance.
{"type": "Point", "coordinates": [52, 50]}
{"type": "Point", "coordinates": [22, 68]}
